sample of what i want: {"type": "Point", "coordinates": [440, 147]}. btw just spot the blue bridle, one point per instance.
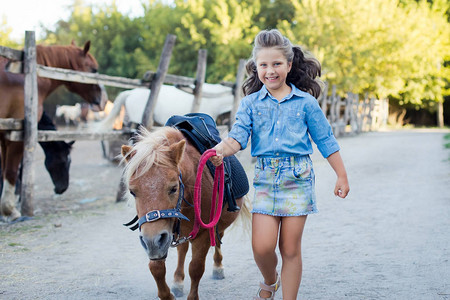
{"type": "Point", "coordinates": [155, 215]}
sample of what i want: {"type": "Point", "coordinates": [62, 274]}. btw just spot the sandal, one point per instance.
{"type": "Point", "coordinates": [268, 288]}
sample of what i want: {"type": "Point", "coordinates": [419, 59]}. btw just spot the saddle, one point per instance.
{"type": "Point", "coordinates": [201, 130]}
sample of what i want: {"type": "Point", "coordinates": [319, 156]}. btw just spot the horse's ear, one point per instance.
{"type": "Point", "coordinates": [86, 47]}
{"type": "Point", "coordinates": [177, 150]}
{"type": "Point", "coordinates": [73, 42]}
{"type": "Point", "coordinates": [125, 150]}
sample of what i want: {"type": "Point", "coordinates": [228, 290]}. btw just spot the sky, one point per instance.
{"type": "Point", "coordinates": [24, 15]}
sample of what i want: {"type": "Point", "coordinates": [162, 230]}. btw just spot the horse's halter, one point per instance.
{"type": "Point", "coordinates": [155, 215]}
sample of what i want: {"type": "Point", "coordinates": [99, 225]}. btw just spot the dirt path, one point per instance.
{"type": "Point", "coordinates": [388, 240]}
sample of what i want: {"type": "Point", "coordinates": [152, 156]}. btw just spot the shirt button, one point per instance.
{"type": "Point", "coordinates": [276, 139]}
{"type": "Point", "coordinates": [277, 153]}
{"type": "Point", "coordinates": [278, 122]}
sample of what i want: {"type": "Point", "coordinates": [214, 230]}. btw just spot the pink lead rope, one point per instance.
{"type": "Point", "coordinates": [216, 209]}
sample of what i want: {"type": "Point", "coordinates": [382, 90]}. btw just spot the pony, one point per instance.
{"type": "Point", "coordinates": [57, 159]}
{"type": "Point", "coordinates": [158, 168]}
{"type": "Point", "coordinates": [70, 113]}
{"type": "Point", "coordinates": [217, 101]}
{"type": "Point", "coordinates": [12, 106]}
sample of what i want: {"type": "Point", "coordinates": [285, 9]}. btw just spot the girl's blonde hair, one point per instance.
{"type": "Point", "coordinates": [303, 72]}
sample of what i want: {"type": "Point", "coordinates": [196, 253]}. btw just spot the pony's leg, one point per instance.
{"type": "Point", "coordinates": [218, 272]}
{"type": "Point", "coordinates": [8, 202]}
{"type": "Point", "coordinates": [158, 270]}
{"type": "Point", "coordinates": [13, 156]}
{"type": "Point", "coordinates": [200, 247]}
{"type": "Point", "coordinates": [178, 278]}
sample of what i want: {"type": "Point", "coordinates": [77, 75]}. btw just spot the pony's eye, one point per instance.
{"type": "Point", "coordinates": [132, 193]}
{"type": "Point", "coordinates": [173, 190]}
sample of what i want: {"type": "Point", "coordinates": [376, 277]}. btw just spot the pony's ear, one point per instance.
{"type": "Point", "coordinates": [73, 42]}
{"type": "Point", "coordinates": [86, 47]}
{"type": "Point", "coordinates": [125, 150]}
{"type": "Point", "coordinates": [177, 150]}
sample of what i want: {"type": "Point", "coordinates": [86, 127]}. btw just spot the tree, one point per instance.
{"type": "Point", "coordinates": [224, 28]}
{"type": "Point", "coordinates": [5, 32]}
{"type": "Point", "coordinates": [380, 46]}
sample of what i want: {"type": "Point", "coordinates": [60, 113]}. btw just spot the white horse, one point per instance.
{"type": "Point", "coordinates": [217, 101]}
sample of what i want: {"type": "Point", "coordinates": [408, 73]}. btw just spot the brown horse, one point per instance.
{"type": "Point", "coordinates": [12, 106]}
{"type": "Point", "coordinates": [158, 168]}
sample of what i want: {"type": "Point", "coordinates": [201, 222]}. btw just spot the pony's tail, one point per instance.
{"type": "Point", "coordinates": [244, 220]}
{"type": "Point", "coordinates": [107, 123]}
{"type": "Point", "coordinates": [245, 216]}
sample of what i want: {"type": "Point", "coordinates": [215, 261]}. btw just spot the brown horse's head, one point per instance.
{"type": "Point", "coordinates": [152, 173]}
{"type": "Point", "coordinates": [78, 59]}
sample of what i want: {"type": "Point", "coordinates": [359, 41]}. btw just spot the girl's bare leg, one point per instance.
{"type": "Point", "coordinates": [264, 241]}
{"type": "Point", "coordinates": [291, 232]}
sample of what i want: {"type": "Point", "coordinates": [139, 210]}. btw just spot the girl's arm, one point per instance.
{"type": "Point", "coordinates": [342, 188]}
{"type": "Point", "coordinates": [226, 147]}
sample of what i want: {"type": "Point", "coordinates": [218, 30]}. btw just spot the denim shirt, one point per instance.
{"type": "Point", "coordinates": [280, 129]}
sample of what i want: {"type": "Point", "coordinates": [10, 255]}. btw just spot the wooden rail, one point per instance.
{"type": "Point", "coordinates": [52, 135]}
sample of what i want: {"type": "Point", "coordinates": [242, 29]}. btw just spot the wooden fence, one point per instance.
{"type": "Point", "coordinates": [26, 129]}
{"type": "Point", "coordinates": [349, 115]}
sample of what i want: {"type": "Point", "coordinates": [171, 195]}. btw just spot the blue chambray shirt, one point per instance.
{"type": "Point", "coordinates": [279, 129]}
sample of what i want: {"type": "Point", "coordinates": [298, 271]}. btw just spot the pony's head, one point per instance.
{"type": "Point", "coordinates": [57, 163]}
{"type": "Point", "coordinates": [78, 59]}
{"type": "Point", "coordinates": [57, 156]}
{"type": "Point", "coordinates": [152, 175]}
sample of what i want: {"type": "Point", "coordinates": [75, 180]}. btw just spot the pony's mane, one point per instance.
{"type": "Point", "coordinates": [151, 148]}
{"type": "Point", "coordinates": [59, 56]}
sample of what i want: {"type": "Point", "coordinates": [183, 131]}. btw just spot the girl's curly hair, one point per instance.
{"type": "Point", "coordinates": [303, 72]}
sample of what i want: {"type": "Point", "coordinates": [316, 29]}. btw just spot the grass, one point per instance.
{"type": "Point", "coordinates": [447, 141]}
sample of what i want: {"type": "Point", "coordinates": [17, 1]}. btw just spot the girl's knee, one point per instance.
{"type": "Point", "coordinates": [292, 252]}
{"type": "Point", "coordinates": [261, 250]}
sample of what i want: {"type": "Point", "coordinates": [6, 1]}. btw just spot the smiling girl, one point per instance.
{"type": "Point", "coordinates": [280, 113]}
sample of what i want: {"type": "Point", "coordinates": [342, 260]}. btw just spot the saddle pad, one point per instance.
{"type": "Point", "coordinates": [201, 130]}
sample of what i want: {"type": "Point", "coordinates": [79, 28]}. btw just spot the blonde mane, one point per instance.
{"type": "Point", "coordinates": [151, 148]}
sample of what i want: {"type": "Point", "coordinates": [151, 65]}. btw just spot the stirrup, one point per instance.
{"type": "Point", "coordinates": [268, 288]}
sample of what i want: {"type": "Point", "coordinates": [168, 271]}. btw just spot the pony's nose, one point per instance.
{"type": "Point", "coordinates": [60, 190]}
{"type": "Point", "coordinates": [157, 244]}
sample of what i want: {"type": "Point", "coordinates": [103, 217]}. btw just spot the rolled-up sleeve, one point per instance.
{"type": "Point", "coordinates": [320, 130]}
{"type": "Point", "coordinates": [242, 128]}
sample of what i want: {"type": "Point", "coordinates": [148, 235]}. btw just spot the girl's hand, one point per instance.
{"type": "Point", "coordinates": [342, 188]}
{"type": "Point", "coordinates": [217, 159]}
{"type": "Point", "coordinates": [226, 147]}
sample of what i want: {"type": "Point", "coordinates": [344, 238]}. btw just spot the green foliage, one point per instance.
{"type": "Point", "coordinates": [379, 46]}
{"type": "Point", "coordinates": [387, 48]}
{"type": "Point", "coordinates": [5, 32]}
{"type": "Point", "coordinates": [224, 28]}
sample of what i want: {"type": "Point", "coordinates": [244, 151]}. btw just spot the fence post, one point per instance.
{"type": "Point", "coordinates": [323, 99]}
{"type": "Point", "coordinates": [237, 91]}
{"type": "Point", "coordinates": [199, 80]}
{"type": "Point", "coordinates": [158, 80]}
{"type": "Point", "coordinates": [30, 123]}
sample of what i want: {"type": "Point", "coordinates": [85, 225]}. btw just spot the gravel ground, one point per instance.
{"type": "Point", "coordinates": [389, 239]}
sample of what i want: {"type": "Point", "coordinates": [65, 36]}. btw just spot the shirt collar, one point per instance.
{"type": "Point", "coordinates": [263, 93]}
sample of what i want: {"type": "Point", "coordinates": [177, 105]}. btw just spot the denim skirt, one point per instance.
{"type": "Point", "coordinates": [284, 186]}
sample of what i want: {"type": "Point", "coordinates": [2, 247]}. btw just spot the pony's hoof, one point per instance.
{"type": "Point", "coordinates": [177, 289]}
{"type": "Point", "coordinates": [218, 273]}
{"type": "Point", "coordinates": [10, 213]}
